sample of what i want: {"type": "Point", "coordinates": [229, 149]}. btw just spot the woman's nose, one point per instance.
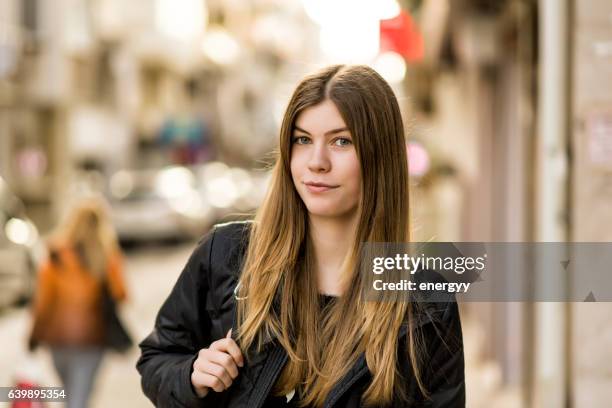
{"type": "Point", "coordinates": [319, 159]}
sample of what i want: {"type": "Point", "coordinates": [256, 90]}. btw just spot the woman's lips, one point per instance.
{"type": "Point", "coordinates": [318, 187]}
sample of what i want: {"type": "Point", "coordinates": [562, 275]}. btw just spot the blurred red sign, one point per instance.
{"type": "Point", "coordinates": [401, 35]}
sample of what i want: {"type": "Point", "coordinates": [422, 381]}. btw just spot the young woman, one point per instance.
{"type": "Point", "coordinates": [270, 313]}
{"type": "Point", "coordinates": [68, 309]}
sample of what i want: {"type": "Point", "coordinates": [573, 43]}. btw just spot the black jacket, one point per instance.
{"type": "Point", "coordinates": [200, 310]}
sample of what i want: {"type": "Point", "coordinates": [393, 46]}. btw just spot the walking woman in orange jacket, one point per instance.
{"type": "Point", "coordinates": [68, 308]}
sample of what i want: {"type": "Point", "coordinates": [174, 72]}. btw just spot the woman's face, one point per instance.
{"type": "Point", "coordinates": [324, 164]}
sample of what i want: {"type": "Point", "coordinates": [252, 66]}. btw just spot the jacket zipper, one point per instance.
{"type": "Point", "coordinates": [334, 398]}
{"type": "Point", "coordinates": [272, 368]}
{"type": "Point", "coordinates": [363, 371]}
{"type": "Point", "coordinates": [269, 373]}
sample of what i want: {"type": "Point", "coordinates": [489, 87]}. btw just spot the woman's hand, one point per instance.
{"type": "Point", "coordinates": [216, 366]}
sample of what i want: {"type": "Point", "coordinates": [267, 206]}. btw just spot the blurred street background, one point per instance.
{"type": "Point", "coordinates": [171, 109]}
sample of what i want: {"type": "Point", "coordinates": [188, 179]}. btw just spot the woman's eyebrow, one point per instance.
{"type": "Point", "coordinates": [331, 132]}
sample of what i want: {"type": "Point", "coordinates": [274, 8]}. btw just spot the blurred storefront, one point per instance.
{"type": "Point", "coordinates": [529, 79]}
{"type": "Point", "coordinates": [590, 141]}
{"type": "Point", "coordinates": [476, 102]}
{"type": "Point", "coordinates": [521, 112]}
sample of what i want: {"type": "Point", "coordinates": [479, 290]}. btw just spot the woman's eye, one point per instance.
{"type": "Point", "coordinates": [300, 140]}
{"type": "Point", "coordinates": [342, 141]}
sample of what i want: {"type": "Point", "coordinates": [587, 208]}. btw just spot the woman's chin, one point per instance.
{"type": "Point", "coordinates": [322, 211]}
{"type": "Point", "coordinates": [327, 211]}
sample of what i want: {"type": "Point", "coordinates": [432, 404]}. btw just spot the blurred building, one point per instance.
{"type": "Point", "coordinates": [521, 106]}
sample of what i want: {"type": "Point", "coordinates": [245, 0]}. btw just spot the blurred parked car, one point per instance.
{"type": "Point", "coordinates": [157, 205]}
{"type": "Point", "coordinates": [233, 192]}
{"type": "Point", "coordinates": [181, 202]}
{"type": "Point", "coordinates": [20, 250]}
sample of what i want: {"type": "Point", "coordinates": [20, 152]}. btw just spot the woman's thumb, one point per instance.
{"type": "Point", "coordinates": [229, 334]}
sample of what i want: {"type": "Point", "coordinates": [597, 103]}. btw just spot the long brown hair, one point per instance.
{"type": "Point", "coordinates": [278, 262]}
{"type": "Point", "coordinates": [88, 231]}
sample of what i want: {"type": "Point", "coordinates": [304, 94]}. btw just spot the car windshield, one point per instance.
{"type": "Point", "coordinates": [141, 194]}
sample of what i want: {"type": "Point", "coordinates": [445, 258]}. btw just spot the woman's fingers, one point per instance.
{"type": "Point", "coordinates": [217, 366]}
{"type": "Point", "coordinates": [224, 360]}
{"type": "Point", "coordinates": [228, 345]}
{"type": "Point", "coordinates": [203, 381]}
{"type": "Point", "coordinates": [214, 369]}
